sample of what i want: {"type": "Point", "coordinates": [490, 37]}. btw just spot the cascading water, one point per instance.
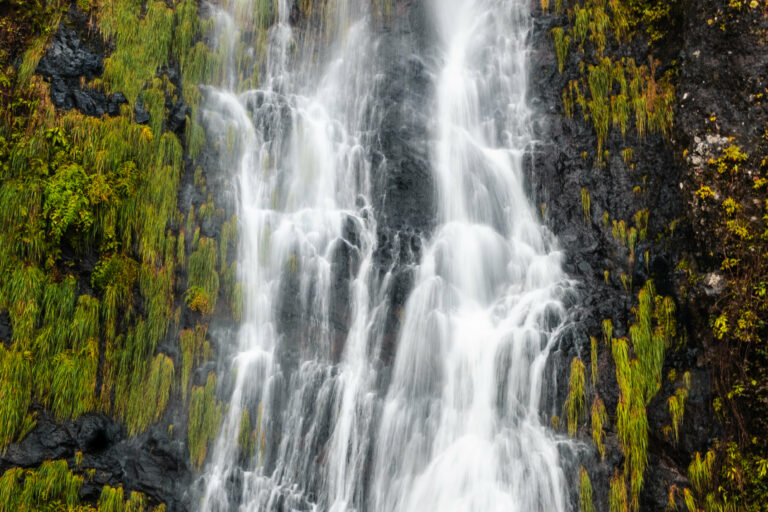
{"type": "Point", "coordinates": [303, 183]}
{"type": "Point", "coordinates": [461, 427]}
{"type": "Point", "coordinates": [453, 422]}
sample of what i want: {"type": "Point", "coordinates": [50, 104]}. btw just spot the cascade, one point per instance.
{"type": "Point", "coordinates": [453, 420]}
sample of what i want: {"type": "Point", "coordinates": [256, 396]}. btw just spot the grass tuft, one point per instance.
{"type": "Point", "coordinates": [575, 403]}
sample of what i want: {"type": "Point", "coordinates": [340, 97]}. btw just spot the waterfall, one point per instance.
{"type": "Point", "coordinates": [461, 429]}
{"type": "Point", "coordinates": [453, 421]}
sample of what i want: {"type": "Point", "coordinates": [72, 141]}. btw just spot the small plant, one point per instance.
{"type": "Point", "coordinates": [705, 192]}
{"type": "Point", "coordinates": [193, 353]}
{"type": "Point", "coordinates": [593, 359]}
{"type": "Point", "coordinates": [203, 278]}
{"type": "Point", "coordinates": [586, 205]}
{"type": "Point", "coordinates": [700, 471]}
{"type": "Point", "coordinates": [607, 331]}
{"type": "Point", "coordinates": [562, 42]}
{"type": "Point", "coordinates": [677, 404]}
{"type": "Point", "coordinates": [575, 403]}
{"type": "Point", "coordinates": [617, 494]}
{"type": "Point", "coordinates": [585, 492]}
{"type": "Point", "coordinates": [619, 231]}
{"type": "Point", "coordinates": [205, 414]}
{"type": "Point", "coordinates": [599, 420]}
{"type": "Point", "coordinates": [36, 489]}
{"type": "Point", "coordinates": [244, 438]}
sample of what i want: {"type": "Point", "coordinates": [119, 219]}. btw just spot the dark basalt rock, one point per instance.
{"type": "Point", "coordinates": [70, 59]}
{"type": "Point", "coordinates": [6, 329]}
{"type": "Point", "coordinates": [403, 189]}
{"type": "Point", "coordinates": [177, 117]}
{"type": "Point", "coordinates": [713, 72]}
{"type": "Point", "coordinates": [140, 113]}
{"type": "Point", "coordinates": [151, 463]}
{"type": "Point", "coordinates": [345, 264]}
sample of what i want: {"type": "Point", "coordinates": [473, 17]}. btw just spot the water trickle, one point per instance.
{"type": "Point", "coordinates": [453, 421]}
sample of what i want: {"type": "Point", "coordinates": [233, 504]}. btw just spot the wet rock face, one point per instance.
{"type": "Point", "coordinates": [70, 59]}
{"type": "Point", "coordinates": [6, 329]}
{"type": "Point", "coordinates": [405, 211]}
{"type": "Point", "coordinates": [75, 57]}
{"type": "Point", "coordinates": [714, 68]}
{"type": "Point", "coordinates": [719, 69]}
{"type": "Point", "coordinates": [403, 187]}
{"type": "Point", "coordinates": [151, 463]}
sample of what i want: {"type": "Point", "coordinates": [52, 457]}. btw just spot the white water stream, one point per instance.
{"type": "Point", "coordinates": [457, 425]}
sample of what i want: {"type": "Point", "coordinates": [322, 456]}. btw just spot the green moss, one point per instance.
{"type": "Point", "coordinates": [74, 381]}
{"type": "Point", "coordinates": [23, 237]}
{"type": "Point", "coordinates": [593, 359]}
{"type": "Point", "coordinates": [154, 102]}
{"type": "Point", "coordinates": [586, 205]}
{"type": "Point", "coordinates": [619, 231]}
{"type": "Point", "coordinates": [640, 94]}
{"type": "Point", "coordinates": [195, 138]}
{"type": "Point", "coordinates": [585, 492]}
{"type": "Point", "coordinates": [203, 281]}
{"type": "Point", "coordinates": [237, 302]}
{"type": "Point", "coordinates": [21, 295]}
{"type": "Point", "coordinates": [641, 223]}
{"type": "Point", "coordinates": [186, 30]}
{"type": "Point", "coordinates": [598, 26]}
{"type": "Point", "coordinates": [562, 42]}
{"type": "Point", "coordinates": [639, 379]}
{"type": "Point", "coordinates": [31, 59]}
{"type": "Point", "coordinates": [676, 404]}
{"type": "Point", "coordinates": [85, 323]}
{"type": "Point", "coordinates": [607, 331]}
{"type": "Point", "coordinates": [690, 501]}
{"type": "Point", "coordinates": [106, 185]}
{"type": "Point", "coordinates": [50, 484]}
{"type": "Point", "coordinates": [617, 494]}
{"type": "Point", "coordinates": [599, 421]}
{"type": "Point", "coordinates": [142, 43]}
{"type": "Point", "coordinates": [581, 24]}
{"type": "Point", "coordinates": [193, 353]}
{"type": "Point", "coordinates": [16, 390]}
{"type": "Point", "coordinates": [626, 282]}
{"type": "Point", "coordinates": [244, 437]}
{"type": "Point", "coordinates": [205, 413]}
{"type": "Point", "coordinates": [228, 236]}
{"type": "Point", "coordinates": [600, 79]}
{"type": "Point", "coordinates": [575, 403]}
{"type": "Point", "coordinates": [156, 287]}
{"type": "Point", "coordinates": [568, 102]}
{"type": "Point", "coordinates": [198, 300]}
{"type": "Point", "coordinates": [700, 471]}
{"type": "Point", "coordinates": [147, 394]}
{"type": "Point", "coordinates": [111, 499]}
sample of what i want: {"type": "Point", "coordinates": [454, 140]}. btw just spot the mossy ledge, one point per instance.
{"type": "Point", "coordinates": [100, 338]}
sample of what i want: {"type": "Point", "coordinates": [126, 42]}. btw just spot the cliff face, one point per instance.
{"type": "Point", "coordinates": [712, 55]}
{"type": "Point", "coordinates": [116, 218]}
{"type": "Point", "coordinates": [105, 302]}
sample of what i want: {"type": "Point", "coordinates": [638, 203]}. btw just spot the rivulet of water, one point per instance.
{"type": "Point", "coordinates": [453, 423]}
